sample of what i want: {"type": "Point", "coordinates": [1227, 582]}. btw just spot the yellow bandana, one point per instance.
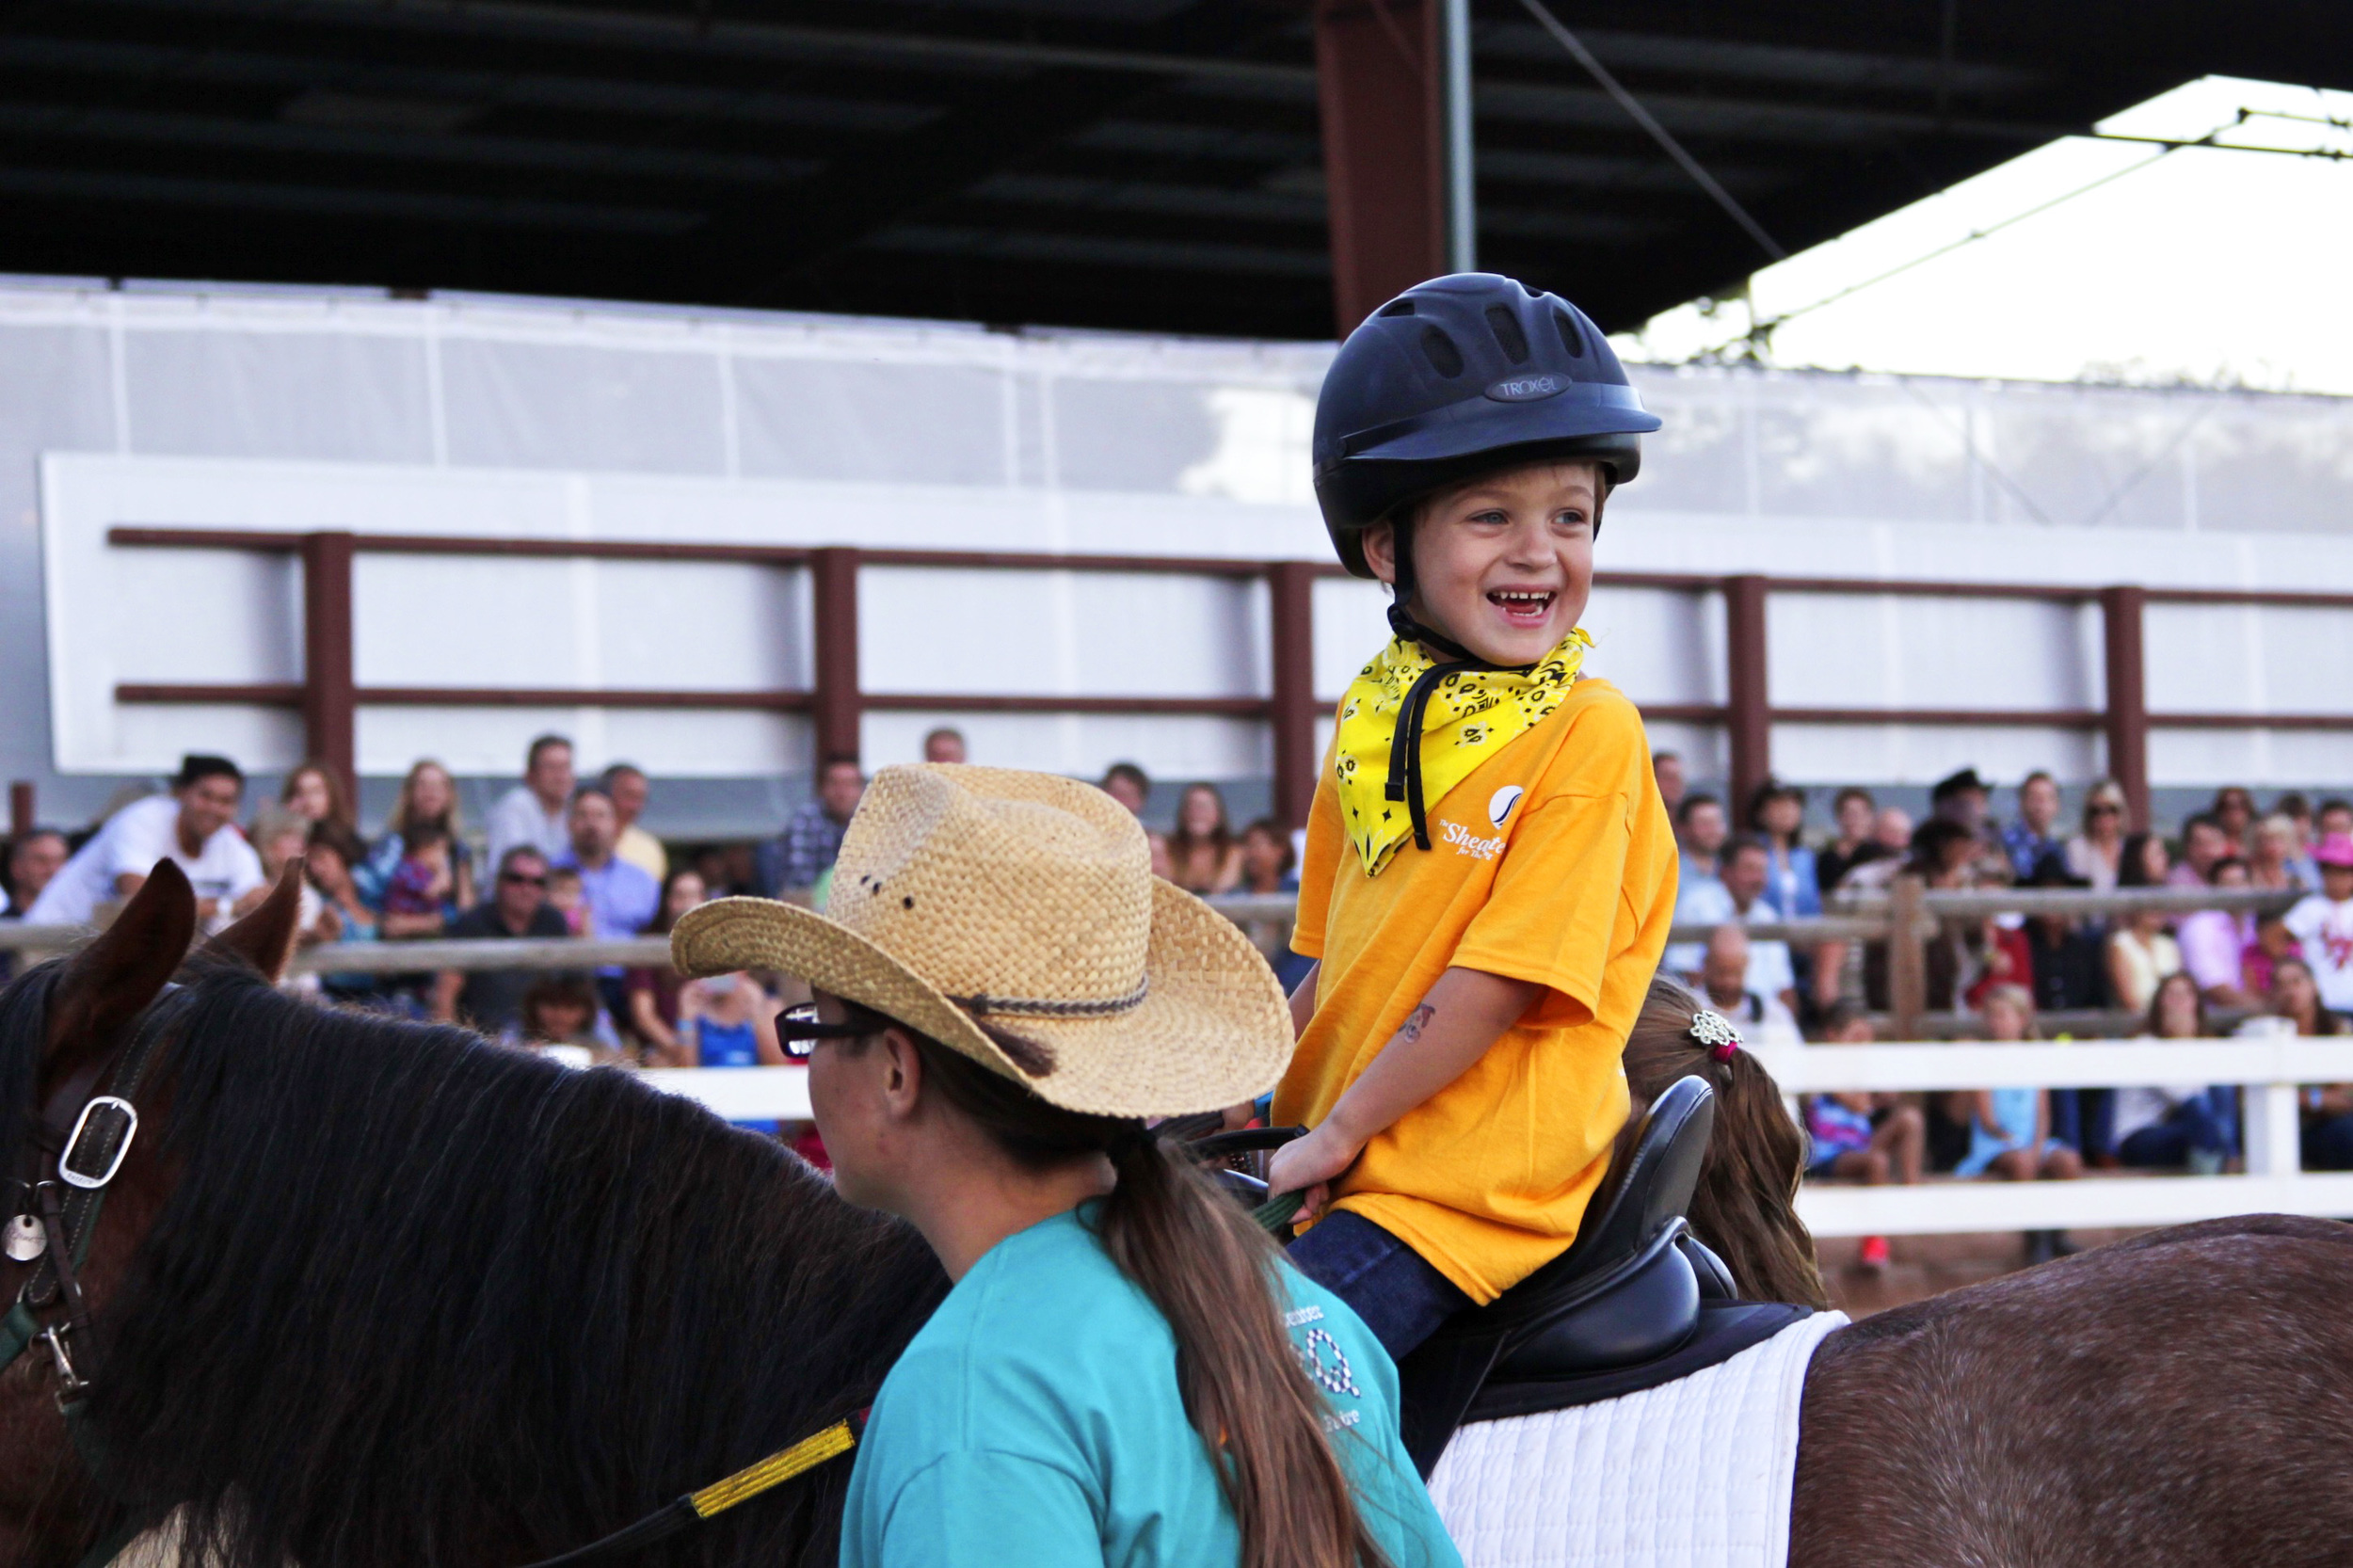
{"type": "Point", "coordinates": [1459, 716]}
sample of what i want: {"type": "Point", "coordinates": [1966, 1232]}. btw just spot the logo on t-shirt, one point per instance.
{"type": "Point", "coordinates": [1468, 842]}
{"type": "Point", "coordinates": [1499, 804]}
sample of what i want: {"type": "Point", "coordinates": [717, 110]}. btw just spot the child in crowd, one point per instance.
{"type": "Point", "coordinates": [566, 896]}
{"type": "Point", "coordinates": [1489, 872]}
{"type": "Point", "coordinates": [1872, 1139]}
{"type": "Point", "coordinates": [2011, 1128]}
{"type": "Point", "coordinates": [560, 1012]}
{"type": "Point", "coordinates": [423, 882]}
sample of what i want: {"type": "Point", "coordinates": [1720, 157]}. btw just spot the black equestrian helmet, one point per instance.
{"type": "Point", "coordinates": [1459, 374]}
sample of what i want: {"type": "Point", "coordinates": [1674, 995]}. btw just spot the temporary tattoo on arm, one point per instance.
{"type": "Point", "coordinates": [1410, 1031]}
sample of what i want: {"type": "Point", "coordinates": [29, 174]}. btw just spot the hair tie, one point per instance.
{"type": "Point", "coordinates": [1716, 1031]}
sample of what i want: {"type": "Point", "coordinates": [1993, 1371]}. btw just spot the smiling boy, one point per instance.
{"type": "Point", "coordinates": [1490, 874]}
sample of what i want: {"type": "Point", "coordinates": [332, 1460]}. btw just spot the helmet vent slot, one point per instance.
{"type": "Point", "coordinates": [1444, 357]}
{"type": "Point", "coordinates": [1571, 339]}
{"type": "Point", "coordinates": [1506, 327]}
{"type": "Point", "coordinates": [1396, 308]}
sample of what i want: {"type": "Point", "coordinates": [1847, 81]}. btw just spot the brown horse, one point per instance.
{"type": "Point", "coordinates": [372, 1294]}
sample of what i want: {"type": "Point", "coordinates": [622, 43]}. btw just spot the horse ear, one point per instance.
{"type": "Point", "coordinates": [265, 939]}
{"type": "Point", "coordinates": [111, 981]}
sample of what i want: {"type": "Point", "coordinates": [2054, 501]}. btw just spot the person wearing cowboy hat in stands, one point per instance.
{"type": "Point", "coordinates": [1125, 1370]}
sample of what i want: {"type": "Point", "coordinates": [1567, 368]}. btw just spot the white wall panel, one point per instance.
{"type": "Point", "coordinates": [295, 410]}
{"type": "Point", "coordinates": [1659, 646]}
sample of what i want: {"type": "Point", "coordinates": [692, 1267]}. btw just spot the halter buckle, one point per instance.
{"type": "Point", "coordinates": [110, 1122]}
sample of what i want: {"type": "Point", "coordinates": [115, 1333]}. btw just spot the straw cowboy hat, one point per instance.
{"type": "Point", "coordinates": [967, 896]}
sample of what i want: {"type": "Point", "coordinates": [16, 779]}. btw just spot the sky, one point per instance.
{"type": "Point", "coordinates": [2200, 264]}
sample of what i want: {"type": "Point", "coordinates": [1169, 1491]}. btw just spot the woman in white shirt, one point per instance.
{"type": "Point", "coordinates": [2140, 951]}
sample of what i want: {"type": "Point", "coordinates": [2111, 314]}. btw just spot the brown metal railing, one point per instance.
{"type": "Point", "coordinates": [328, 696]}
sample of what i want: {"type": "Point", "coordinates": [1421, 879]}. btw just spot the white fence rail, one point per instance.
{"type": "Point", "coordinates": [2269, 1070]}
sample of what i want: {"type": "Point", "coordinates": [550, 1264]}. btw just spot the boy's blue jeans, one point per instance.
{"type": "Point", "coordinates": [1400, 1298]}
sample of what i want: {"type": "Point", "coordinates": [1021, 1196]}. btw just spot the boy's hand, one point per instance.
{"type": "Point", "coordinates": [1309, 1165]}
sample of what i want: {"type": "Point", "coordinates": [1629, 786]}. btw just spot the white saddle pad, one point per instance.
{"type": "Point", "coordinates": [1693, 1474]}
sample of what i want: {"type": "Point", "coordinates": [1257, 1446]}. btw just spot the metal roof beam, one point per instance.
{"type": "Point", "coordinates": [1731, 60]}
{"type": "Point", "coordinates": [254, 196]}
{"type": "Point", "coordinates": [706, 35]}
{"type": "Point", "coordinates": [525, 89]}
{"type": "Point", "coordinates": [1103, 250]}
{"type": "Point", "coordinates": [1587, 108]}
{"type": "Point", "coordinates": [67, 123]}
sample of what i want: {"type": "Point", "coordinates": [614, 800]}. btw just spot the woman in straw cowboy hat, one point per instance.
{"type": "Point", "coordinates": [1125, 1370]}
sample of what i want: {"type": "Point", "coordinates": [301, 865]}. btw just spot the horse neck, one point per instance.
{"type": "Point", "coordinates": [411, 1290]}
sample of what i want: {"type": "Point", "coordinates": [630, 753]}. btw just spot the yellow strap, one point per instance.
{"type": "Point", "coordinates": [775, 1470]}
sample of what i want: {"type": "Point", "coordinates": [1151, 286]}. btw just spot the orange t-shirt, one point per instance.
{"type": "Point", "coordinates": [1553, 863]}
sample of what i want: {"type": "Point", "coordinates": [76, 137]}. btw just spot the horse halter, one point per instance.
{"type": "Point", "coordinates": [72, 1154]}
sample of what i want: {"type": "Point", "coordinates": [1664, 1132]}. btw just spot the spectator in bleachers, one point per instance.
{"type": "Point", "coordinates": [2066, 954]}
{"type": "Point", "coordinates": [1128, 785]}
{"type": "Point", "coordinates": [2322, 922]}
{"type": "Point", "coordinates": [2277, 859]}
{"type": "Point", "coordinates": [333, 850]}
{"type": "Point", "coordinates": [1892, 830]}
{"type": "Point", "coordinates": [2204, 845]}
{"type": "Point", "coordinates": [2334, 818]}
{"type": "Point", "coordinates": [729, 871]}
{"type": "Point", "coordinates": [1777, 817]}
{"type": "Point", "coordinates": [1666, 771]}
{"type": "Point", "coordinates": [1736, 986]}
{"type": "Point", "coordinates": [944, 744]}
{"type": "Point", "coordinates": [2328, 1107]}
{"type": "Point", "coordinates": [2035, 834]}
{"type": "Point", "coordinates": [421, 896]}
{"type": "Point", "coordinates": [652, 989]}
{"type": "Point", "coordinates": [2299, 811]}
{"type": "Point", "coordinates": [560, 1009]}
{"type": "Point", "coordinates": [427, 801]}
{"type": "Point", "coordinates": [1269, 866]}
{"type": "Point", "coordinates": [622, 899]}
{"type": "Point", "coordinates": [2273, 942]}
{"type": "Point", "coordinates": [1741, 896]}
{"type": "Point", "coordinates": [2214, 943]}
{"type": "Point", "coordinates": [314, 792]}
{"type": "Point", "coordinates": [2009, 1130]}
{"type": "Point", "coordinates": [1962, 798]}
{"type": "Point", "coordinates": [2097, 853]}
{"type": "Point", "coordinates": [2140, 951]}
{"type": "Point", "coordinates": [2233, 810]}
{"type": "Point", "coordinates": [1700, 829]}
{"type": "Point", "coordinates": [194, 825]}
{"type": "Point", "coordinates": [1203, 851]}
{"type": "Point", "coordinates": [538, 811]}
{"type": "Point", "coordinates": [1872, 1139]}
{"type": "Point", "coordinates": [794, 861]}
{"type": "Point", "coordinates": [2171, 1127]}
{"type": "Point", "coordinates": [1853, 809]}
{"type": "Point", "coordinates": [281, 837]}
{"type": "Point", "coordinates": [570, 903]}
{"type": "Point", "coordinates": [34, 861]}
{"type": "Point", "coordinates": [491, 1000]}
{"type": "Point", "coordinates": [626, 784]}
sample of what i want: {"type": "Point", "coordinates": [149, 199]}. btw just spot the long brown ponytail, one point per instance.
{"type": "Point", "coordinates": [1211, 1270]}
{"type": "Point", "coordinates": [1745, 1208]}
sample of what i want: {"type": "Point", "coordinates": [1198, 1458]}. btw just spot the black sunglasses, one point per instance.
{"type": "Point", "coordinates": [520, 879]}
{"type": "Point", "coordinates": [800, 1030]}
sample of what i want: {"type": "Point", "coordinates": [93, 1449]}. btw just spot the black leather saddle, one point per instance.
{"type": "Point", "coordinates": [1635, 1302]}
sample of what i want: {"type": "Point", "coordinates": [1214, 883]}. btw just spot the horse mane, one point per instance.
{"type": "Point", "coordinates": [416, 1299]}
{"type": "Point", "coordinates": [1745, 1208]}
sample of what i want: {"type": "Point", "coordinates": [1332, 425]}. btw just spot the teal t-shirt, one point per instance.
{"type": "Point", "coordinates": [1036, 1419]}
